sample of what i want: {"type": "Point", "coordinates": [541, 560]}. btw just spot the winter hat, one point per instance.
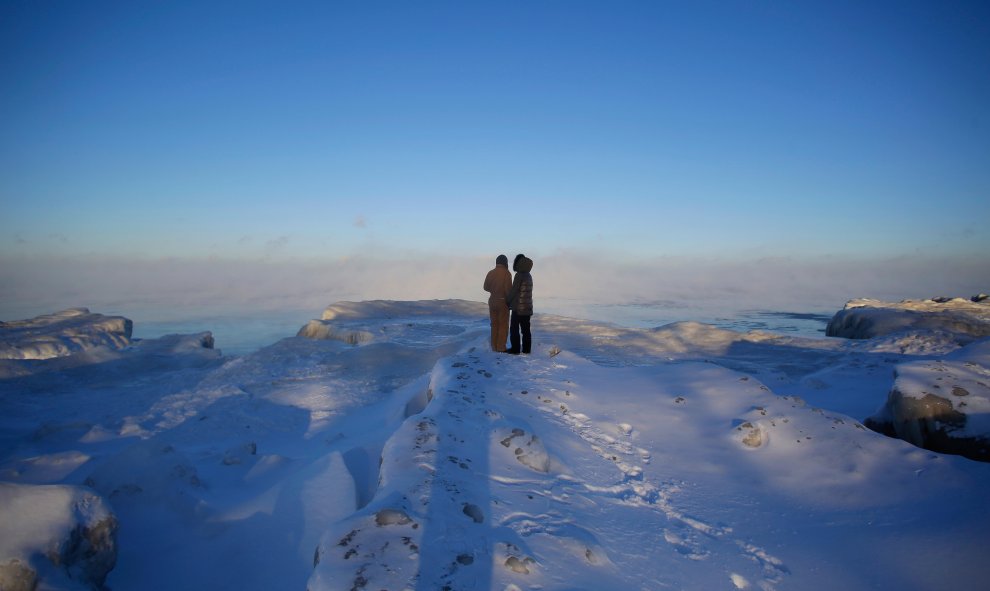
{"type": "Point", "coordinates": [502, 260]}
{"type": "Point", "coordinates": [515, 263]}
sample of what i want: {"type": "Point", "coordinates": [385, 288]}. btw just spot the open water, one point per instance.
{"type": "Point", "coordinates": [242, 332]}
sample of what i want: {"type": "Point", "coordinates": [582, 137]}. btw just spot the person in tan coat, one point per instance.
{"type": "Point", "coordinates": [498, 283]}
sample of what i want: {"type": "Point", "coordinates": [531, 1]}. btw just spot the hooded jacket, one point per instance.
{"type": "Point", "coordinates": [521, 297]}
{"type": "Point", "coordinates": [498, 282]}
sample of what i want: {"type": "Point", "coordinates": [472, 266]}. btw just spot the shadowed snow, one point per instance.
{"type": "Point", "coordinates": [685, 457]}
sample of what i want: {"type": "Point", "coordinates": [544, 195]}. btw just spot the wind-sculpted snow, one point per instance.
{"type": "Point", "coordinates": [939, 398]}
{"type": "Point", "coordinates": [684, 457]}
{"type": "Point", "coordinates": [965, 319]}
{"type": "Point", "coordinates": [518, 476]}
{"type": "Point", "coordinates": [407, 323]}
{"type": "Point", "coordinates": [61, 334]}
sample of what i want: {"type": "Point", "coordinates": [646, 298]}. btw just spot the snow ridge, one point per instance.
{"type": "Point", "coordinates": [675, 458]}
{"type": "Point", "coordinates": [470, 496]}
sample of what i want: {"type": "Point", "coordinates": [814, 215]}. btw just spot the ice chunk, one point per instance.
{"type": "Point", "coordinates": [866, 318]}
{"type": "Point", "coordinates": [942, 404]}
{"type": "Point", "coordinates": [69, 527]}
{"type": "Point", "coordinates": [62, 334]}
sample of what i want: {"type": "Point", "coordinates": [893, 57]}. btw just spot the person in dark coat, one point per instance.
{"type": "Point", "coordinates": [498, 283]}
{"type": "Point", "coordinates": [521, 304]}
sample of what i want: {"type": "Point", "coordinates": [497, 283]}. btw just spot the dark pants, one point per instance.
{"type": "Point", "coordinates": [516, 325]}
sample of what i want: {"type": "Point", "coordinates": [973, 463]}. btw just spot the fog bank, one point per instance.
{"type": "Point", "coordinates": [565, 282]}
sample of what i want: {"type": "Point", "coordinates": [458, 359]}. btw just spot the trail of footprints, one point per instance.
{"type": "Point", "coordinates": [425, 527]}
{"type": "Point", "coordinates": [686, 534]}
{"type": "Point", "coordinates": [431, 530]}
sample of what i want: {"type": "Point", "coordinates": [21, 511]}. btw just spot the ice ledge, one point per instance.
{"type": "Point", "coordinates": [941, 404]}
{"type": "Point", "coordinates": [380, 309]}
{"type": "Point", "coordinates": [361, 323]}
{"type": "Point", "coordinates": [62, 334]}
{"type": "Point", "coordinates": [967, 320]}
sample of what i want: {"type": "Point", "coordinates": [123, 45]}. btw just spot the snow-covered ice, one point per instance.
{"type": "Point", "coordinates": [968, 319]}
{"type": "Point", "coordinates": [62, 535]}
{"type": "Point", "coordinates": [386, 448]}
{"type": "Point", "coordinates": [63, 333]}
{"type": "Point", "coordinates": [943, 403]}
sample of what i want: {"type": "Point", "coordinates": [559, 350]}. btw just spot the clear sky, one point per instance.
{"type": "Point", "coordinates": [633, 129]}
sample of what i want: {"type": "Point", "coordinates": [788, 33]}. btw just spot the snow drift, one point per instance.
{"type": "Point", "coordinates": [938, 403]}
{"type": "Point", "coordinates": [684, 457]}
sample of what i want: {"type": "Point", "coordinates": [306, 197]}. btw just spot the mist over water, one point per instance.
{"type": "Point", "coordinates": [241, 332]}
{"type": "Point", "coordinates": [248, 305]}
{"type": "Point", "coordinates": [810, 323]}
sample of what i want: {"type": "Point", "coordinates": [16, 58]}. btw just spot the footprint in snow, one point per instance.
{"type": "Point", "coordinates": [363, 556]}
{"type": "Point", "coordinates": [474, 512]}
{"type": "Point", "coordinates": [574, 539]}
{"type": "Point", "coordinates": [750, 435]}
{"type": "Point", "coordinates": [773, 568]}
{"type": "Point", "coordinates": [686, 543]}
{"type": "Point", "coordinates": [513, 559]}
{"type": "Point", "coordinates": [528, 451]}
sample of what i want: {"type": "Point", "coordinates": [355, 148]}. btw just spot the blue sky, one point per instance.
{"type": "Point", "coordinates": [631, 129]}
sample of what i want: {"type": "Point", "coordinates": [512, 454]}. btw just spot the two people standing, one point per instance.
{"type": "Point", "coordinates": [515, 294]}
